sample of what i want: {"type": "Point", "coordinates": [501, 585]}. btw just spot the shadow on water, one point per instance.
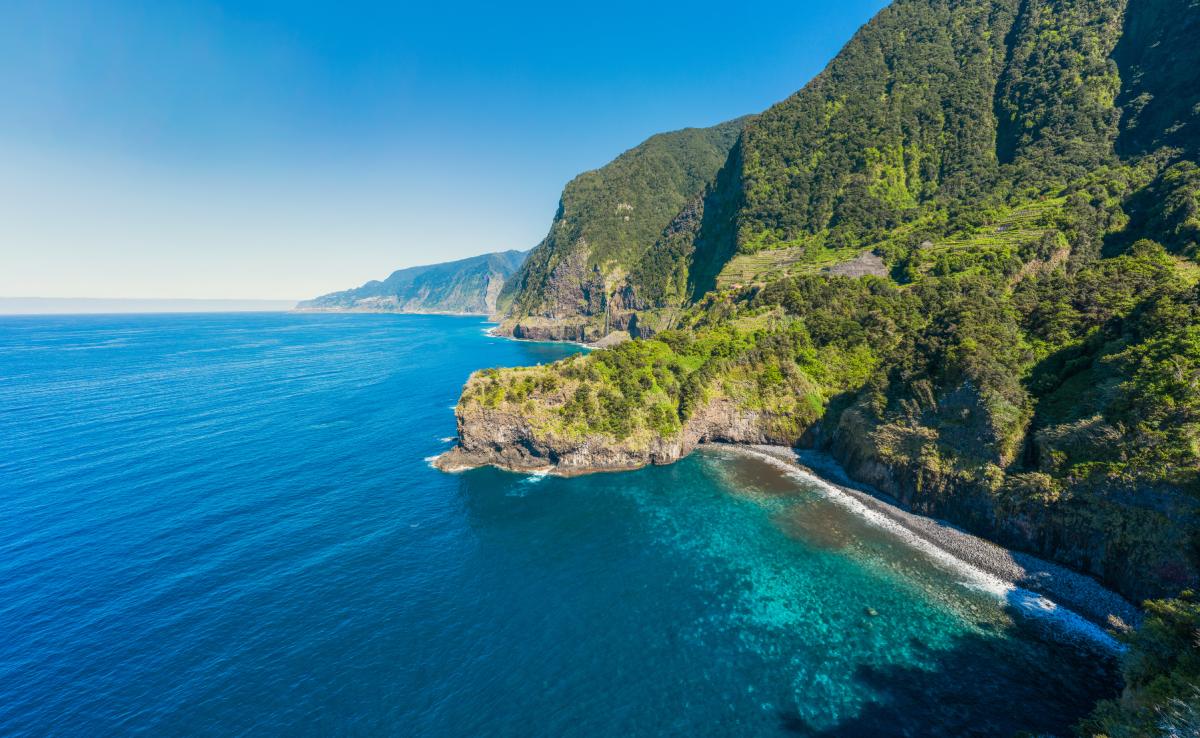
{"type": "Point", "coordinates": [976, 687]}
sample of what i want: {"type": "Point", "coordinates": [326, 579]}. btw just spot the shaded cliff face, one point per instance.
{"type": "Point", "coordinates": [607, 220]}
{"type": "Point", "coordinates": [466, 286]}
{"type": "Point", "coordinates": [1159, 63]}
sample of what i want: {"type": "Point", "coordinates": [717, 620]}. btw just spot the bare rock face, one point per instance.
{"type": "Point", "coordinates": [574, 288]}
{"type": "Point", "coordinates": [724, 421]}
{"type": "Point", "coordinates": [575, 330]}
{"type": "Point", "coordinates": [504, 440]}
{"type": "Point", "coordinates": [866, 263]}
{"type": "Point", "coordinates": [577, 306]}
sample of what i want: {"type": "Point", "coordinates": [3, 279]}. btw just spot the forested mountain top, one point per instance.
{"type": "Point", "coordinates": [934, 116]}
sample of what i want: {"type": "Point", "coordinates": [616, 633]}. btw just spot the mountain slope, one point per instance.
{"type": "Point", "coordinates": [607, 220]}
{"type": "Point", "coordinates": [931, 108]}
{"type": "Point", "coordinates": [1019, 182]}
{"type": "Point", "coordinates": [465, 286]}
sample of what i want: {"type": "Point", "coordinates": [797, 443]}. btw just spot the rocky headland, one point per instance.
{"type": "Point", "coordinates": [501, 438]}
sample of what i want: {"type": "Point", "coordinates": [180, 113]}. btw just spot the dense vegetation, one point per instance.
{"type": "Point", "coordinates": [609, 217]}
{"type": "Point", "coordinates": [1027, 359]}
{"type": "Point", "coordinates": [904, 114]}
{"type": "Point", "coordinates": [1162, 671]}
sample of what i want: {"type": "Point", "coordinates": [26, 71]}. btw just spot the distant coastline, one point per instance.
{"type": "Point", "coordinates": [106, 305]}
{"type": "Point", "coordinates": [376, 311]}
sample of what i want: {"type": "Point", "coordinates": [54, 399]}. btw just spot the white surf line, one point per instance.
{"type": "Point", "coordinates": [1028, 602]}
{"type": "Point", "coordinates": [491, 333]}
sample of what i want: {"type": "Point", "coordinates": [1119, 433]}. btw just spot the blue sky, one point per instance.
{"type": "Point", "coordinates": [272, 149]}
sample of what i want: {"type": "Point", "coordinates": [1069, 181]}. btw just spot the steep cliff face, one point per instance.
{"type": "Point", "coordinates": [1159, 63]}
{"type": "Point", "coordinates": [606, 221]}
{"type": "Point", "coordinates": [466, 286]}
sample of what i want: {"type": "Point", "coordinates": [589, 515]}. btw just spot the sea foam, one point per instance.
{"type": "Point", "coordinates": [1025, 601]}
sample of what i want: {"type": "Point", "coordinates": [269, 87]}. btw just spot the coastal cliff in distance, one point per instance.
{"type": "Point", "coordinates": [602, 259]}
{"type": "Point", "coordinates": [964, 260]}
{"type": "Point", "coordinates": [468, 286]}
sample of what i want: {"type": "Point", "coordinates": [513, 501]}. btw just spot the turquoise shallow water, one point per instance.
{"type": "Point", "coordinates": [225, 525]}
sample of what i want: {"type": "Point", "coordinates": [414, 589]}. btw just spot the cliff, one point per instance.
{"type": "Point", "coordinates": [507, 438]}
{"type": "Point", "coordinates": [581, 281]}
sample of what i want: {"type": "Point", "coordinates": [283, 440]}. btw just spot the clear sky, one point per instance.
{"type": "Point", "coordinates": [286, 148]}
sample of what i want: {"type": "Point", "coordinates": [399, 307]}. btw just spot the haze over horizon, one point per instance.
{"type": "Point", "coordinates": [283, 150]}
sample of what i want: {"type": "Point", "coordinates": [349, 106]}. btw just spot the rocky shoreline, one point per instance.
{"type": "Point", "coordinates": [1030, 584]}
{"type": "Point", "coordinates": [457, 459]}
{"type": "Point", "coordinates": [506, 437]}
{"type": "Point", "coordinates": [1034, 583]}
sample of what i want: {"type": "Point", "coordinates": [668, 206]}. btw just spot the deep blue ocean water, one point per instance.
{"type": "Point", "coordinates": [226, 525]}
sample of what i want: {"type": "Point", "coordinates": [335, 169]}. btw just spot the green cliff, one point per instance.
{"type": "Point", "coordinates": [581, 278]}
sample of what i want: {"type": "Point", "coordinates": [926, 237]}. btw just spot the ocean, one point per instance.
{"type": "Point", "coordinates": [227, 525]}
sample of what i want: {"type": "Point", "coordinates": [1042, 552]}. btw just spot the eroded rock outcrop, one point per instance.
{"type": "Point", "coordinates": [510, 439]}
